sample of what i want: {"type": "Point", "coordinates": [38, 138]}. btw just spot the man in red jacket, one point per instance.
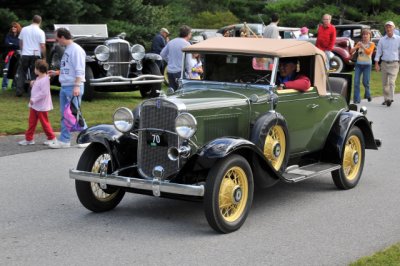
{"type": "Point", "coordinates": [326, 37]}
{"type": "Point", "coordinates": [289, 78]}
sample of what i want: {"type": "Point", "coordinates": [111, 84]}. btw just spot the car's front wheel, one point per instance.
{"type": "Point", "coordinates": [229, 194]}
{"type": "Point", "coordinates": [352, 161]}
{"type": "Point", "coordinates": [93, 196]}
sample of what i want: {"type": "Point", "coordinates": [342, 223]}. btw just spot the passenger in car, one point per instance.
{"type": "Point", "coordinates": [288, 77]}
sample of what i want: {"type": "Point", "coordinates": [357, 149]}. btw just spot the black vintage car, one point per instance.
{"type": "Point", "coordinates": [112, 64]}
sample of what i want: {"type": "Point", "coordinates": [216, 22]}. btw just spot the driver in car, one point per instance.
{"type": "Point", "coordinates": [288, 77]}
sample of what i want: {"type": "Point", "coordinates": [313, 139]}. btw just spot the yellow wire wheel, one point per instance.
{"type": "Point", "coordinates": [94, 197]}
{"type": "Point", "coordinates": [275, 146]}
{"type": "Point", "coordinates": [233, 194]}
{"type": "Point", "coordinates": [228, 193]}
{"type": "Point", "coordinates": [352, 160]}
{"type": "Point", "coordinates": [97, 191]}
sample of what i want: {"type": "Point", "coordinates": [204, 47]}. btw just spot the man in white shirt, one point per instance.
{"type": "Point", "coordinates": [272, 30]}
{"type": "Point", "coordinates": [388, 51]}
{"type": "Point", "coordinates": [32, 42]}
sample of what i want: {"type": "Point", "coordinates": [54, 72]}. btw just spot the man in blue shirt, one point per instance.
{"type": "Point", "coordinates": [159, 41]}
{"type": "Point", "coordinates": [172, 54]}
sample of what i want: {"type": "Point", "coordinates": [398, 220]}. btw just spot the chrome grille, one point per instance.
{"type": "Point", "coordinates": [155, 117]}
{"type": "Point", "coordinates": [119, 53]}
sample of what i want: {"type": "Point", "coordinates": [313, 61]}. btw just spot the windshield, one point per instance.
{"type": "Point", "coordinates": [229, 68]}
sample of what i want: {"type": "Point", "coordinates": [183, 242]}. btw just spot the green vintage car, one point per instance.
{"type": "Point", "coordinates": [217, 138]}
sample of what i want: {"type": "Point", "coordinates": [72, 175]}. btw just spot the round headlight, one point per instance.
{"type": "Point", "coordinates": [185, 125]}
{"type": "Point", "coordinates": [123, 119]}
{"type": "Point", "coordinates": [137, 52]}
{"type": "Point", "coordinates": [102, 52]}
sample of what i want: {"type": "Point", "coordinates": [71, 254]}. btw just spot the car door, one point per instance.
{"type": "Point", "coordinates": [304, 113]}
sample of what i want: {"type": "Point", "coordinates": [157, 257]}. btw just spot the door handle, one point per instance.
{"type": "Point", "coordinates": [313, 105]}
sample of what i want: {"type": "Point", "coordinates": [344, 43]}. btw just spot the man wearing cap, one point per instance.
{"type": "Point", "coordinates": [289, 78]}
{"type": "Point", "coordinates": [388, 52]}
{"type": "Point", "coordinates": [159, 41]}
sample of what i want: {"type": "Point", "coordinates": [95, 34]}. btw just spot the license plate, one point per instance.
{"type": "Point", "coordinates": [156, 139]}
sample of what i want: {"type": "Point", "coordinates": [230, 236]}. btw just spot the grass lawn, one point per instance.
{"type": "Point", "coordinates": [14, 110]}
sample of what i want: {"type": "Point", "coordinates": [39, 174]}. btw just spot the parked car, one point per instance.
{"type": "Point", "coordinates": [257, 29]}
{"type": "Point", "coordinates": [112, 64]}
{"type": "Point", "coordinates": [353, 31]}
{"type": "Point", "coordinates": [218, 138]}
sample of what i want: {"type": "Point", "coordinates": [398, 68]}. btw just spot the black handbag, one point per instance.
{"type": "Point", "coordinates": [354, 56]}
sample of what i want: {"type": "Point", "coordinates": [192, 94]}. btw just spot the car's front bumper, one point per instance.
{"type": "Point", "coordinates": [155, 185]}
{"type": "Point", "coordinates": [119, 80]}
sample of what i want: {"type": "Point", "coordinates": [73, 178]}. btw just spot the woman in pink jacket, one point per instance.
{"type": "Point", "coordinates": [39, 105]}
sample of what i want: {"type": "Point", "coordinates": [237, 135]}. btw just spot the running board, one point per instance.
{"type": "Point", "coordinates": [295, 173]}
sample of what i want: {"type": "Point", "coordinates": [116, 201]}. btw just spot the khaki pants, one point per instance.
{"type": "Point", "coordinates": [389, 75]}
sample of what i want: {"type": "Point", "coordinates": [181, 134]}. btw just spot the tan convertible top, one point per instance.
{"type": "Point", "coordinates": [264, 46]}
{"type": "Point", "coordinates": [274, 47]}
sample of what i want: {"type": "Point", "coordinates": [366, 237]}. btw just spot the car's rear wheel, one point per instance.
{"type": "Point", "coordinates": [352, 160]}
{"type": "Point", "coordinates": [270, 134]}
{"type": "Point", "coordinates": [336, 64]}
{"type": "Point", "coordinates": [94, 197]}
{"type": "Point", "coordinates": [88, 94]}
{"type": "Point", "coordinates": [229, 194]}
{"type": "Point", "coordinates": [150, 90]}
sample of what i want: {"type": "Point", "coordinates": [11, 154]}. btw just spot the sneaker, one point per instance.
{"type": "Point", "coordinates": [59, 145]}
{"type": "Point", "coordinates": [26, 142]}
{"type": "Point", "coordinates": [47, 142]}
{"type": "Point", "coordinates": [83, 145]}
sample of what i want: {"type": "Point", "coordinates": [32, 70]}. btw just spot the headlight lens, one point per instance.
{"type": "Point", "coordinates": [123, 119]}
{"type": "Point", "coordinates": [185, 125]}
{"type": "Point", "coordinates": [137, 52]}
{"type": "Point", "coordinates": [102, 53]}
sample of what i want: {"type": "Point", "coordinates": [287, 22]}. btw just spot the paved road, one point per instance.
{"type": "Point", "coordinates": [310, 223]}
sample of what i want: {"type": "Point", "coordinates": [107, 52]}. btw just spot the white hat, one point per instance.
{"type": "Point", "coordinates": [164, 30]}
{"type": "Point", "coordinates": [389, 23]}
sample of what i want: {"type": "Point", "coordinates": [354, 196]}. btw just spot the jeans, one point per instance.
{"type": "Point", "coordinates": [5, 79]}
{"type": "Point", "coordinates": [66, 94]}
{"type": "Point", "coordinates": [173, 80]}
{"type": "Point", "coordinates": [365, 71]}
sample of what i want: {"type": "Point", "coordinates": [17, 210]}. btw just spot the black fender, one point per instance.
{"type": "Point", "coordinates": [219, 148]}
{"type": "Point", "coordinates": [333, 149]}
{"type": "Point", "coordinates": [122, 147]}
{"type": "Point", "coordinates": [89, 59]}
{"type": "Point", "coordinates": [152, 56]}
